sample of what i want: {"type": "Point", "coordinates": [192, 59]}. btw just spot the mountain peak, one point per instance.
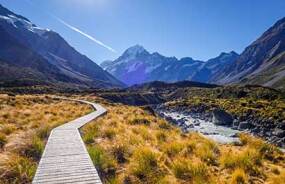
{"type": "Point", "coordinates": [135, 50]}
{"type": "Point", "coordinates": [231, 53]}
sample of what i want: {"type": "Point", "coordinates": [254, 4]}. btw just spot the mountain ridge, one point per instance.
{"type": "Point", "coordinates": [53, 49]}
{"type": "Point", "coordinates": [261, 63]}
{"type": "Point", "coordinates": [156, 67]}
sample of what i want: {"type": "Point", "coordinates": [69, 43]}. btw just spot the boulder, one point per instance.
{"type": "Point", "coordinates": [244, 125]}
{"type": "Point", "coordinates": [221, 117]}
{"type": "Point", "coordinates": [235, 123]}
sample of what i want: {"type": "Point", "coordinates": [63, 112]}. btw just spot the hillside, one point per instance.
{"type": "Point", "coordinates": [262, 62]}
{"type": "Point", "coordinates": [31, 55]}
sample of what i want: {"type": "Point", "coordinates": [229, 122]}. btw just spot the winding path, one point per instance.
{"type": "Point", "coordinates": [65, 158]}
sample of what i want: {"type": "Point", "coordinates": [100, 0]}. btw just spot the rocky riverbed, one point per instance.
{"type": "Point", "coordinates": [222, 126]}
{"type": "Point", "coordinates": [188, 123]}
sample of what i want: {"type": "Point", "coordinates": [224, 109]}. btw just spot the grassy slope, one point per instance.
{"type": "Point", "coordinates": [25, 123]}
{"type": "Point", "coordinates": [242, 102]}
{"type": "Point", "coordinates": [130, 145]}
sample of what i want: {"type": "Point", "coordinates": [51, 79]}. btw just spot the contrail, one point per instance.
{"type": "Point", "coordinates": [84, 34]}
{"type": "Point", "coordinates": [77, 30]}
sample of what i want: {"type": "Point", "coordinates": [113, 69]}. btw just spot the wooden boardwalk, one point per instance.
{"type": "Point", "coordinates": [65, 158]}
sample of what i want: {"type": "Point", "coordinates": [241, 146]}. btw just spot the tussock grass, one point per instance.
{"type": "Point", "coordinates": [104, 162]}
{"type": "Point", "coordinates": [25, 124]}
{"type": "Point", "coordinates": [144, 165]}
{"type": "Point", "coordinates": [157, 152]}
{"type": "Point", "coordinates": [249, 160]}
{"type": "Point", "coordinates": [239, 177]}
{"type": "Point", "coordinates": [17, 169]}
{"type": "Point", "coordinates": [190, 170]}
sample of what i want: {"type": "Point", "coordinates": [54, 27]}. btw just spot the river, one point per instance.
{"type": "Point", "coordinates": [221, 134]}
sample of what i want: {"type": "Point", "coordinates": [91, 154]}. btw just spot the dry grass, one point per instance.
{"type": "Point", "coordinates": [142, 148]}
{"type": "Point", "coordinates": [25, 124]}
{"type": "Point", "coordinates": [129, 145]}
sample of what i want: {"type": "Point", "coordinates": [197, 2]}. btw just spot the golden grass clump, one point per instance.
{"type": "Point", "coordinates": [249, 160]}
{"type": "Point", "coordinates": [25, 124]}
{"type": "Point", "coordinates": [144, 165]}
{"type": "Point", "coordinates": [17, 169]}
{"type": "Point", "coordinates": [239, 177]}
{"type": "Point", "coordinates": [190, 170]}
{"type": "Point", "coordinates": [155, 151]}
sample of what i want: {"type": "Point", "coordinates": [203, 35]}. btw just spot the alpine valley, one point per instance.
{"type": "Point", "coordinates": [261, 63]}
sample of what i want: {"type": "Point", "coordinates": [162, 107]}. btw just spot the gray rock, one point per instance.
{"type": "Point", "coordinates": [281, 125]}
{"type": "Point", "coordinates": [279, 132]}
{"type": "Point", "coordinates": [244, 125]}
{"type": "Point", "coordinates": [221, 117]}
{"type": "Point", "coordinates": [235, 123]}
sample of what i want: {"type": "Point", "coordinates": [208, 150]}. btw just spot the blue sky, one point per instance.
{"type": "Point", "coordinates": [197, 28]}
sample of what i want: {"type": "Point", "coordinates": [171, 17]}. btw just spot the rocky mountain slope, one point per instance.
{"type": "Point", "coordinates": [137, 65]}
{"type": "Point", "coordinates": [263, 62]}
{"type": "Point", "coordinates": [34, 55]}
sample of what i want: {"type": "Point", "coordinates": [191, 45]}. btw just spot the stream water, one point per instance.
{"type": "Point", "coordinates": [221, 134]}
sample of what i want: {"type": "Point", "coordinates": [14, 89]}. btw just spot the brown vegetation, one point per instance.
{"type": "Point", "coordinates": [143, 148]}
{"type": "Point", "coordinates": [25, 124]}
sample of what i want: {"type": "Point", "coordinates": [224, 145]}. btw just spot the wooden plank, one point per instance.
{"type": "Point", "coordinates": [65, 158]}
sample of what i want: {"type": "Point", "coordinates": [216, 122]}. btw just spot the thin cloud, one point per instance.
{"type": "Point", "coordinates": [77, 30]}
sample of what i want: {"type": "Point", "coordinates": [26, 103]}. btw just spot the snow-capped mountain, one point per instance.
{"type": "Point", "coordinates": [137, 65]}
{"type": "Point", "coordinates": [49, 47]}
{"type": "Point", "coordinates": [261, 63]}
